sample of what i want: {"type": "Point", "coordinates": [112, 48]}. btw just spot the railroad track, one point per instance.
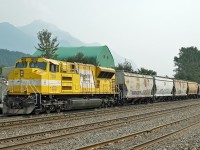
{"type": "Point", "coordinates": [73, 116]}
{"type": "Point", "coordinates": [78, 115]}
{"type": "Point", "coordinates": [166, 136]}
{"type": "Point", "coordinates": [145, 132]}
{"type": "Point", "coordinates": [68, 117]}
{"type": "Point", "coordinates": [24, 117]}
{"type": "Point", "coordinates": [54, 135]}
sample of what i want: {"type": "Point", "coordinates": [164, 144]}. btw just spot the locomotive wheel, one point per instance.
{"type": "Point", "coordinates": [37, 112]}
{"type": "Point", "coordinates": [102, 105]}
{"type": "Point", "coordinates": [58, 110]}
{"type": "Point", "coordinates": [105, 105]}
{"type": "Point", "coordinates": [111, 104]}
{"type": "Point", "coordinates": [48, 111]}
{"type": "Point", "coordinates": [52, 108]}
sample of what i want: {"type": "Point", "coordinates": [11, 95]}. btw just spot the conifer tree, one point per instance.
{"type": "Point", "coordinates": [47, 45]}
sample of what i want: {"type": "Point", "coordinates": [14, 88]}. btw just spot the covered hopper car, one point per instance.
{"type": "Point", "coordinates": [136, 88]}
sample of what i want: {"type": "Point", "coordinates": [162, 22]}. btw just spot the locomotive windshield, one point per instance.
{"type": "Point", "coordinates": [21, 65]}
{"type": "Point", "coordinates": [41, 65]}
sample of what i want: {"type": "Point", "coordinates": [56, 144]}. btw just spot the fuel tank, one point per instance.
{"type": "Point", "coordinates": [84, 103]}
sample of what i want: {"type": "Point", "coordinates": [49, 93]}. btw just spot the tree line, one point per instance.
{"type": "Point", "coordinates": [187, 64]}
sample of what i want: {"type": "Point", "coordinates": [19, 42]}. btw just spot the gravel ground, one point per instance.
{"type": "Point", "coordinates": [114, 132]}
{"type": "Point", "coordinates": [188, 140]}
{"type": "Point", "coordinates": [97, 125]}
{"type": "Point", "coordinates": [151, 135]}
{"type": "Point", "coordinates": [63, 124]}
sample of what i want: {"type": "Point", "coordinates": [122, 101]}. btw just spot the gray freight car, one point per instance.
{"type": "Point", "coordinates": [163, 89]}
{"type": "Point", "coordinates": [180, 89]}
{"type": "Point", "coordinates": [135, 88]}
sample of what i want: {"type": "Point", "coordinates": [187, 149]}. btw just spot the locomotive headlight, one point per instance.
{"type": "Point", "coordinates": [21, 73]}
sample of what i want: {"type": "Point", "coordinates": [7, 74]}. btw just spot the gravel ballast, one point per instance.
{"type": "Point", "coordinates": [110, 133]}
{"type": "Point", "coordinates": [81, 140]}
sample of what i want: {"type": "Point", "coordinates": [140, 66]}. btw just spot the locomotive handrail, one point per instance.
{"type": "Point", "coordinates": [11, 85]}
{"type": "Point", "coordinates": [36, 97]}
{"type": "Point", "coordinates": [32, 88]}
{"type": "Point", "coordinates": [35, 92]}
{"type": "Point", "coordinates": [119, 91]}
{"type": "Point", "coordinates": [36, 89]}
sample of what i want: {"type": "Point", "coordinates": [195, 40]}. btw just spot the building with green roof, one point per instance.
{"type": "Point", "coordinates": [101, 54]}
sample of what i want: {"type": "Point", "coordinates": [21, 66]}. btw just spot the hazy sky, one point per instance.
{"type": "Point", "coordinates": [150, 32]}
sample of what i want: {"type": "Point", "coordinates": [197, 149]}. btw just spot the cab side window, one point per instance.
{"type": "Point", "coordinates": [53, 67]}
{"type": "Point", "coordinates": [21, 65]}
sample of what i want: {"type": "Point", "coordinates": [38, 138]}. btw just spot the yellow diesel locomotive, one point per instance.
{"type": "Point", "coordinates": [45, 85]}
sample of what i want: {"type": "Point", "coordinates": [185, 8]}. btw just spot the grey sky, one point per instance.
{"type": "Point", "coordinates": [150, 32]}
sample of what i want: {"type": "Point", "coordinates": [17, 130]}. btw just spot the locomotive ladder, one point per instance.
{"type": "Point", "coordinates": [36, 92]}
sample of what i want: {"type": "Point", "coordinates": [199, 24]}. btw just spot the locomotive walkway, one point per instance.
{"type": "Point", "coordinates": [69, 132]}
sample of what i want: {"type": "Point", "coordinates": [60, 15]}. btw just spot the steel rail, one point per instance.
{"type": "Point", "coordinates": [68, 112]}
{"type": "Point", "coordinates": [39, 120]}
{"type": "Point", "coordinates": [73, 116]}
{"type": "Point", "coordinates": [145, 144]}
{"type": "Point", "coordinates": [100, 125]}
{"type": "Point", "coordinates": [159, 139]}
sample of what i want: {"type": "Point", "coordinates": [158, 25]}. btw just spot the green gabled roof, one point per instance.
{"type": "Point", "coordinates": [96, 52]}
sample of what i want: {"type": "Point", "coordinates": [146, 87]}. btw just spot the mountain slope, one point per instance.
{"type": "Point", "coordinates": [14, 39]}
{"type": "Point", "coordinates": [24, 39]}
{"type": "Point", "coordinates": [65, 38]}
{"type": "Point", "coordinates": [8, 58]}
